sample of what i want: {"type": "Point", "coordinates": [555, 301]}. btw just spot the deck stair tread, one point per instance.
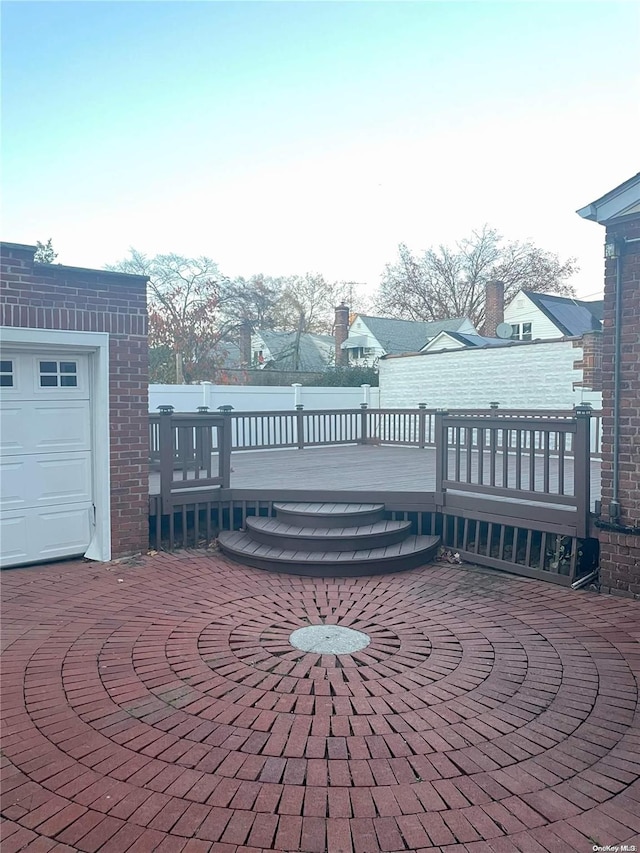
{"type": "Point", "coordinates": [305, 514]}
{"type": "Point", "coordinates": [242, 542]}
{"type": "Point", "coordinates": [327, 508]}
{"type": "Point", "coordinates": [284, 528]}
{"type": "Point", "coordinates": [328, 539]}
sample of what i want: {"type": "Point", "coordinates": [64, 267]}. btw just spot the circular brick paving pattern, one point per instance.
{"type": "Point", "coordinates": [159, 705]}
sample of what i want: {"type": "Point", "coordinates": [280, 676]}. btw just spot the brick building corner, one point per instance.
{"type": "Point", "coordinates": [619, 523]}
{"type": "Point", "coordinates": [37, 296]}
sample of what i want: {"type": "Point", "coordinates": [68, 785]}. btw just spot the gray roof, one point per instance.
{"type": "Point", "coordinates": [398, 336]}
{"type": "Point", "coordinates": [572, 316]}
{"type": "Point", "coordinates": [310, 355]}
{"type": "Point", "coordinates": [228, 355]}
{"type": "Point", "coordinates": [479, 340]}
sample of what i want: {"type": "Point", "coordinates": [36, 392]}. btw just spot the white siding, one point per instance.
{"type": "Point", "coordinates": [522, 310]}
{"type": "Point", "coordinates": [539, 376]}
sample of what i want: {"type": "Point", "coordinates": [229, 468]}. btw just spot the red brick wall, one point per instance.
{"type": "Point", "coordinates": [494, 307]}
{"type": "Point", "coordinates": [44, 296]}
{"type": "Point", "coordinates": [591, 361]}
{"type": "Point", "coordinates": [620, 553]}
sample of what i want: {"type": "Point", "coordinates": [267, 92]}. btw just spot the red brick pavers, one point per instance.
{"type": "Point", "coordinates": [157, 705]}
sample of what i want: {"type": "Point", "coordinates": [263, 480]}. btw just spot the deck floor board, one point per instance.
{"type": "Point", "coordinates": [354, 468]}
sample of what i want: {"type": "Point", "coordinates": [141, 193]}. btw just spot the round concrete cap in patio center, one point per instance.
{"type": "Point", "coordinates": [329, 640]}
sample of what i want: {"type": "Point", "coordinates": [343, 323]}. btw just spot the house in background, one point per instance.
{"type": "Point", "coordinates": [292, 351]}
{"type": "Point", "coordinates": [543, 316]}
{"type": "Point", "coordinates": [461, 340]}
{"type": "Point", "coordinates": [370, 338]}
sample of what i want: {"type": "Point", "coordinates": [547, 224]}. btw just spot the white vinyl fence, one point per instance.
{"type": "Point", "coordinates": [254, 398]}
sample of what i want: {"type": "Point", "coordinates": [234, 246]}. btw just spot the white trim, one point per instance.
{"type": "Point", "coordinates": [97, 344]}
{"type": "Point", "coordinates": [620, 202]}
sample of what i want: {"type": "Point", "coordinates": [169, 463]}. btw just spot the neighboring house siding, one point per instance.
{"type": "Point", "coordinates": [42, 296]}
{"type": "Point", "coordinates": [359, 327]}
{"type": "Point", "coordinates": [540, 376]}
{"type": "Point", "coordinates": [522, 310]}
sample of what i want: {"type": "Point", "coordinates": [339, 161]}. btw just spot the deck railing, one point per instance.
{"type": "Point", "coordinates": [190, 451]}
{"type": "Point", "coordinates": [519, 458]}
{"type": "Point", "coordinates": [540, 456]}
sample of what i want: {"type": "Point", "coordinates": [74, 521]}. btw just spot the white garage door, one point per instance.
{"type": "Point", "coordinates": [46, 494]}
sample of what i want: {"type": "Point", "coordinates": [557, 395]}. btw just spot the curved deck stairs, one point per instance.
{"type": "Point", "coordinates": [328, 540]}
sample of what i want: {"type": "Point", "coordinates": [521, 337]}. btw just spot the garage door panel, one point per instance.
{"type": "Point", "coordinates": [45, 480]}
{"type": "Point", "coordinates": [37, 535]}
{"type": "Point", "coordinates": [13, 429]}
{"type": "Point", "coordinates": [13, 483]}
{"type": "Point", "coordinates": [64, 479]}
{"type": "Point", "coordinates": [14, 539]}
{"type": "Point", "coordinates": [61, 427]}
{"type": "Point", "coordinates": [45, 427]}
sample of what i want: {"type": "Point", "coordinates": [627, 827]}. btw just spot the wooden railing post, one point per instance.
{"type": "Point", "coordinates": [422, 425]}
{"type": "Point", "coordinates": [300, 425]}
{"type": "Point", "coordinates": [442, 453]}
{"type": "Point", "coordinates": [166, 453]}
{"type": "Point", "coordinates": [582, 469]}
{"type": "Point", "coordinates": [364, 424]}
{"type": "Point", "coordinates": [224, 449]}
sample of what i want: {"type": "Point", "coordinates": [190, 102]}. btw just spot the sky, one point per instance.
{"type": "Point", "coordinates": [291, 137]}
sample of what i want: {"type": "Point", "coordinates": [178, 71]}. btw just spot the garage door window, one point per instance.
{"type": "Point", "coordinates": [54, 374]}
{"type": "Point", "coordinates": [6, 374]}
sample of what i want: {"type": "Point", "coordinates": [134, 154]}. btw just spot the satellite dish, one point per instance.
{"type": "Point", "coordinates": [504, 330]}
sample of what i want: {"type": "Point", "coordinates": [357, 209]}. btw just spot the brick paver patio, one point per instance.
{"type": "Point", "coordinates": [156, 705]}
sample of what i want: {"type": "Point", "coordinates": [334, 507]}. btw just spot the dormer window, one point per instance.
{"type": "Point", "coordinates": [521, 332]}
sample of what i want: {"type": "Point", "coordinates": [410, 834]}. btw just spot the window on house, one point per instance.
{"type": "Point", "coordinates": [6, 374]}
{"type": "Point", "coordinates": [521, 332]}
{"type": "Point", "coordinates": [58, 374]}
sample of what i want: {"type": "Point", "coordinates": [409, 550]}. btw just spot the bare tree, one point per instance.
{"type": "Point", "coordinates": [450, 282]}
{"type": "Point", "coordinates": [306, 304]}
{"type": "Point", "coordinates": [184, 296]}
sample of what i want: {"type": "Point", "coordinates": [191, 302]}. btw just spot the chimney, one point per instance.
{"type": "Point", "coordinates": [245, 344]}
{"type": "Point", "coordinates": [494, 307]}
{"type": "Point", "coordinates": [341, 330]}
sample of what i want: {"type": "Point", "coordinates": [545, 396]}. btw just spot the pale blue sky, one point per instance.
{"type": "Point", "coordinates": [284, 137]}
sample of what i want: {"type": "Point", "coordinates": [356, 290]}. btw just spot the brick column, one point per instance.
{"type": "Point", "coordinates": [494, 307]}
{"type": "Point", "coordinates": [341, 331]}
{"type": "Point", "coordinates": [619, 551]}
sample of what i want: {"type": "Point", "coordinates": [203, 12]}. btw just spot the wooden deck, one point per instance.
{"type": "Point", "coordinates": [361, 468]}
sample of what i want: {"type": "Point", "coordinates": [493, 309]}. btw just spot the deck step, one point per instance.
{"type": "Point", "coordinates": [329, 514]}
{"type": "Point", "coordinates": [413, 551]}
{"type": "Point", "coordinates": [283, 534]}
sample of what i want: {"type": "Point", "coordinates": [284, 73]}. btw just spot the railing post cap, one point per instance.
{"type": "Point", "coordinates": [583, 409]}
{"type": "Point", "coordinates": [225, 409]}
{"type": "Point", "coordinates": [203, 409]}
{"type": "Point", "coordinates": [422, 405]}
{"type": "Point", "coordinates": [299, 407]}
{"type": "Point", "coordinates": [166, 410]}
{"type": "Point", "coordinates": [296, 384]}
{"type": "Point", "coordinates": [494, 405]}
{"type": "Point", "coordinates": [364, 405]}
{"type": "Point", "coordinates": [365, 385]}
